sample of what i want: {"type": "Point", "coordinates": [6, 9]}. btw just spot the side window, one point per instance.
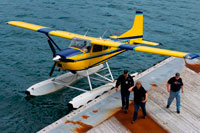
{"type": "Point", "coordinates": [81, 44]}
{"type": "Point", "coordinates": [105, 47]}
{"type": "Point", "coordinates": [97, 48]}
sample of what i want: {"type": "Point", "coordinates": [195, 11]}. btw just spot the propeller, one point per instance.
{"type": "Point", "coordinates": [52, 69]}
{"type": "Point", "coordinates": [56, 58]}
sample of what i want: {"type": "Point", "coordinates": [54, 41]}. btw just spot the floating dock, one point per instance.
{"type": "Point", "coordinates": [104, 114]}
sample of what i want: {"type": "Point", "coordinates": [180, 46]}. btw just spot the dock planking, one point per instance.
{"type": "Point", "coordinates": [102, 111]}
{"type": "Point", "coordinates": [189, 118]}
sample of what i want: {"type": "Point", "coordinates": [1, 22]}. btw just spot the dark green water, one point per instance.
{"type": "Point", "coordinates": [25, 57]}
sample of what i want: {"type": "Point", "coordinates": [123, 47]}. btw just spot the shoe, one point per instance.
{"type": "Point", "coordinates": [144, 117]}
{"type": "Point", "coordinates": [126, 111]}
{"type": "Point", "coordinates": [167, 106]}
{"type": "Point", "coordinates": [123, 107]}
{"type": "Point", "coordinates": [178, 111]}
{"type": "Point", "coordinates": [132, 122]}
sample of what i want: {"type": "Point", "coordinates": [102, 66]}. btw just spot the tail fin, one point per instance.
{"type": "Point", "coordinates": [136, 32]}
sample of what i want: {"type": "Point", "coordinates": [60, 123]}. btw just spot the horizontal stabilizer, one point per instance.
{"type": "Point", "coordinates": [147, 42]}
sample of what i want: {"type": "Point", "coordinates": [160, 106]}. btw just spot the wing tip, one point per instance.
{"type": "Point", "coordinates": [139, 12]}
{"type": "Point", "coordinates": [13, 22]}
{"type": "Point", "coordinates": [191, 56]}
{"type": "Point", "coordinates": [9, 22]}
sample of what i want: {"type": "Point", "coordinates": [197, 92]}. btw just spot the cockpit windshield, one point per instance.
{"type": "Point", "coordinates": [81, 44]}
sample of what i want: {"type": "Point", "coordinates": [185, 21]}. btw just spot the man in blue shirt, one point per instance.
{"type": "Point", "coordinates": [175, 86]}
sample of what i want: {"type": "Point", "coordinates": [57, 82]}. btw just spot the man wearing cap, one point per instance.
{"type": "Point", "coordinates": [174, 87]}
{"type": "Point", "coordinates": [126, 81]}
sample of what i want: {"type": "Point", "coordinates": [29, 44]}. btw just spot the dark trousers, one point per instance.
{"type": "Point", "coordinates": [137, 106]}
{"type": "Point", "coordinates": [125, 99]}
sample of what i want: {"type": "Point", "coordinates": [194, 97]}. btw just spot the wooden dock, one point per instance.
{"type": "Point", "coordinates": [189, 118]}
{"type": "Point", "coordinates": [104, 113]}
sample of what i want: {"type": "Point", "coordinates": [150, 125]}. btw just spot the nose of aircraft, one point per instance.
{"type": "Point", "coordinates": [57, 58]}
{"type": "Point", "coordinates": [65, 54]}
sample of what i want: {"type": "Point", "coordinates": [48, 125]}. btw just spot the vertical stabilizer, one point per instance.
{"type": "Point", "coordinates": [136, 32]}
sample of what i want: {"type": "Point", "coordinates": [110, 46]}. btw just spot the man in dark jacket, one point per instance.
{"type": "Point", "coordinates": [126, 81]}
{"type": "Point", "coordinates": [174, 87]}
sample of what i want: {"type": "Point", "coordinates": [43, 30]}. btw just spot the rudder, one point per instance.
{"type": "Point", "coordinates": [136, 32]}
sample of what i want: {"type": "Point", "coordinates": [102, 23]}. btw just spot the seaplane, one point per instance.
{"type": "Point", "coordinates": [87, 55]}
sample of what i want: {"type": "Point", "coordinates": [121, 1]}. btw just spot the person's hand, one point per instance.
{"type": "Point", "coordinates": [182, 91]}
{"type": "Point", "coordinates": [144, 101]}
{"type": "Point", "coordinates": [116, 89]}
{"type": "Point", "coordinates": [168, 89]}
{"type": "Point", "coordinates": [130, 89]}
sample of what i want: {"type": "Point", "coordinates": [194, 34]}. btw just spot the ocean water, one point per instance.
{"type": "Point", "coordinates": [26, 59]}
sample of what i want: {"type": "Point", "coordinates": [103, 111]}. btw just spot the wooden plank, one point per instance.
{"type": "Point", "coordinates": [189, 118]}
{"type": "Point", "coordinates": [112, 125]}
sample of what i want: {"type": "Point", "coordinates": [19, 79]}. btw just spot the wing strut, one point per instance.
{"type": "Point", "coordinates": [53, 42]}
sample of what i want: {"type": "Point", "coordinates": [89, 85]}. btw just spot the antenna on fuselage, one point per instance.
{"type": "Point", "coordinates": [103, 34]}
{"type": "Point", "coordinates": [86, 32]}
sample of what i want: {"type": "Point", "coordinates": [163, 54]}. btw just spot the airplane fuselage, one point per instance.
{"type": "Point", "coordinates": [84, 60]}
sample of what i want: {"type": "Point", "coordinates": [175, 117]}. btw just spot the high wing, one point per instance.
{"type": "Point", "coordinates": [104, 42]}
{"type": "Point", "coordinates": [63, 34]}
{"type": "Point", "coordinates": [159, 51]}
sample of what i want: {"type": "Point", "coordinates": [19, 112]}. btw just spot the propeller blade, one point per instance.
{"type": "Point", "coordinates": [52, 48]}
{"type": "Point", "coordinates": [52, 69]}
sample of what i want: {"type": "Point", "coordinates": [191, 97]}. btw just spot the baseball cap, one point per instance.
{"type": "Point", "coordinates": [125, 71]}
{"type": "Point", "coordinates": [177, 74]}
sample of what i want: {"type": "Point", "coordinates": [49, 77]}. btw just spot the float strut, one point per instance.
{"type": "Point", "coordinates": [110, 71]}
{"type": "Point", "coordinates": [88, 77]}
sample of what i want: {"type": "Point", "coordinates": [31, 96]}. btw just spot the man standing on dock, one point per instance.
{"type": "Point", "coordinates": [126, 81]}
{"type": "Point", "coordinates": [174, 87]}
{"type": "Point", "coordinates": [140, 99]}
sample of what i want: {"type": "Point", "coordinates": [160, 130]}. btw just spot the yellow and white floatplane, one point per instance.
{"type": "Point", "coordinates": [86, 55]}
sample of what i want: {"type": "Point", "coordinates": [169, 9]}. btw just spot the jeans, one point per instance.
{"type": "Point", "coordinates": [125, 99]}
{"type": "Point", "coordinates": [178, 99]}
{"type": "Point", "coordinates": [137, 106]}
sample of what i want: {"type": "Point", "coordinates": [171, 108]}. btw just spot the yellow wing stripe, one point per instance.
{"type": "Point", "coordinates": [63, 34]}
{"type": "Point", "coordinates": [161, 51]}
{"type": "Point", "coordinates": [93, 40]}
{"type": "Point", "coordinates": [26, 25]}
